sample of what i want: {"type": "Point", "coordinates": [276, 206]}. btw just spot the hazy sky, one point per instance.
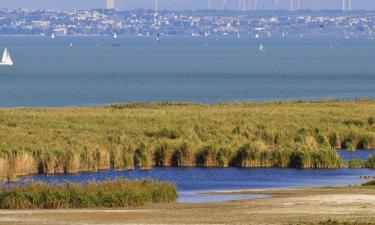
{"type": "Point", "coordinates": [177, 4]}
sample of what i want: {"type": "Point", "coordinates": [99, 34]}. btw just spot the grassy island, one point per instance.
{"type": "Point", "coordinates": [278, 134]}
{"type": "Point", "coordinates": [110, 194]}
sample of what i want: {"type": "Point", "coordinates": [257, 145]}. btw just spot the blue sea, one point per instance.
{"type": "Point", "coordinates": [101, 70]}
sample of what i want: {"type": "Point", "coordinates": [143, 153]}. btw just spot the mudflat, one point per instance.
{"type": "Point", "coordinates": [305, 206]}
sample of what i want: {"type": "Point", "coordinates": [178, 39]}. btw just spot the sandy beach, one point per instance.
{"type": "Point", "coordinates": [305, 206]}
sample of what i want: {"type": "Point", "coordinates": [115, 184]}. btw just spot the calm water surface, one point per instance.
{"type": "Point", "coordinates": [360, 154]}
{"type": "Point", "coordinates": [93, 72]}
{"type": "Point", "coordinates": [192, 182]}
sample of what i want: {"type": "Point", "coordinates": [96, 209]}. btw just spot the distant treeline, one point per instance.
{"type": "Point", "coordinates": [110, 194]}
{"type": "Point", "coordinates": [279, 134]}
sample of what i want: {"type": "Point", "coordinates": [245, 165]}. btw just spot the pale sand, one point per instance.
{"type": "Point", "coordinates": [283, 208]}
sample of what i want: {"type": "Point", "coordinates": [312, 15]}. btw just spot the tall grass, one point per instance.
{"type": "Point", "coordinates": [110, 194]}
{"type": "Point", "coordinates": [280, 134]}
{"type": "Point", "coordinates": [371, 162]}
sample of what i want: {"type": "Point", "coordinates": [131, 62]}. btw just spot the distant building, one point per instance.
{"type": "Point", "coordinates": [60, 31]}
{"type": "Point", "coordinates": [111, 4]}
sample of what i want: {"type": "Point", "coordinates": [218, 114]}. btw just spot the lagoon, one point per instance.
{"type": "Point", "coordinates": [193, 181]}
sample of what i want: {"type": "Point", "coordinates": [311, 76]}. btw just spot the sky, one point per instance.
{"type": "Point", "coordinates": [178, 4]}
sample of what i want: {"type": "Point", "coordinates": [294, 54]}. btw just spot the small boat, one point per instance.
{"type": "Point", "coordinates": [257, 35]}
{"type": "Point", "coordinates": [115, 36]}
{"type": "Point", "coordinates": [158, 39]}
{"type": "Point", "coordinates": [53, 35]}
{"type": "Point", "coordinates": [6, 60]}
{"type": "Point", "coordinates": [261, 48]}
{"type": "Point", "coordinates": [238, 35]}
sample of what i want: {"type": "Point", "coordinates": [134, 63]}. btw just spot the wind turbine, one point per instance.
{"type": "Point", "coordinates": [156, 5]}
{"type": "Point", "coordinates": [242, 5]}
{"type": "Point", "coordinates": [209, 4]}
{"type": "Point", "coordinates": [292, 6]}
{"type": "Point", "coordinates": [276, 4]}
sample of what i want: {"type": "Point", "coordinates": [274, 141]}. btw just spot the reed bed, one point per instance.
{"type": "Point", "coordinates": [278, 134]}
{"type": "Point", "coordinates": [110, 194]}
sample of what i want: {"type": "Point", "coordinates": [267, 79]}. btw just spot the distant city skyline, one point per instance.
{"type": "Point", "coordinates": [190, 4]}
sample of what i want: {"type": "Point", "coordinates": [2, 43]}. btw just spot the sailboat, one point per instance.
{"type": "Point", "coordinates": [158, 39]}
{"type": "Point", "coordinates": [115, 36]}
{"type": "Point", "coordinates": [6, 60]}
{"type": "Point", "coordinates": [53, 35]}
{"type": "Point", "coordinates": [261, 48]}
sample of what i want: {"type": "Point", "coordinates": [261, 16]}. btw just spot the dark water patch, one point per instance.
{"type": "Point", "coordinates": [359, 154]}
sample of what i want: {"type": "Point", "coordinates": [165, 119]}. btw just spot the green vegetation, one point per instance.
{"type": "Point", "coordinates": [369, 183]}
{"type": "Point", "coordinates": [334, 222]}
{"type": "Point", "coordinates": [371, 162]}
{"type": "Point", "coordinates": [110, 194]}
{"type": "Point", "coordinates": [357, 163]}
{"type": "Point", "coordinates": [280, 134]}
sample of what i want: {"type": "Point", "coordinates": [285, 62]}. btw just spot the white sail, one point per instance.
{"type": "Point", "coordinates": [53, 36]}
{"type": "Point", "coordinates": [6, 60]}
{"type": "Point", "coordinates": [261, 48]}
{"type": "Point", "coordinates": [115, 36]}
